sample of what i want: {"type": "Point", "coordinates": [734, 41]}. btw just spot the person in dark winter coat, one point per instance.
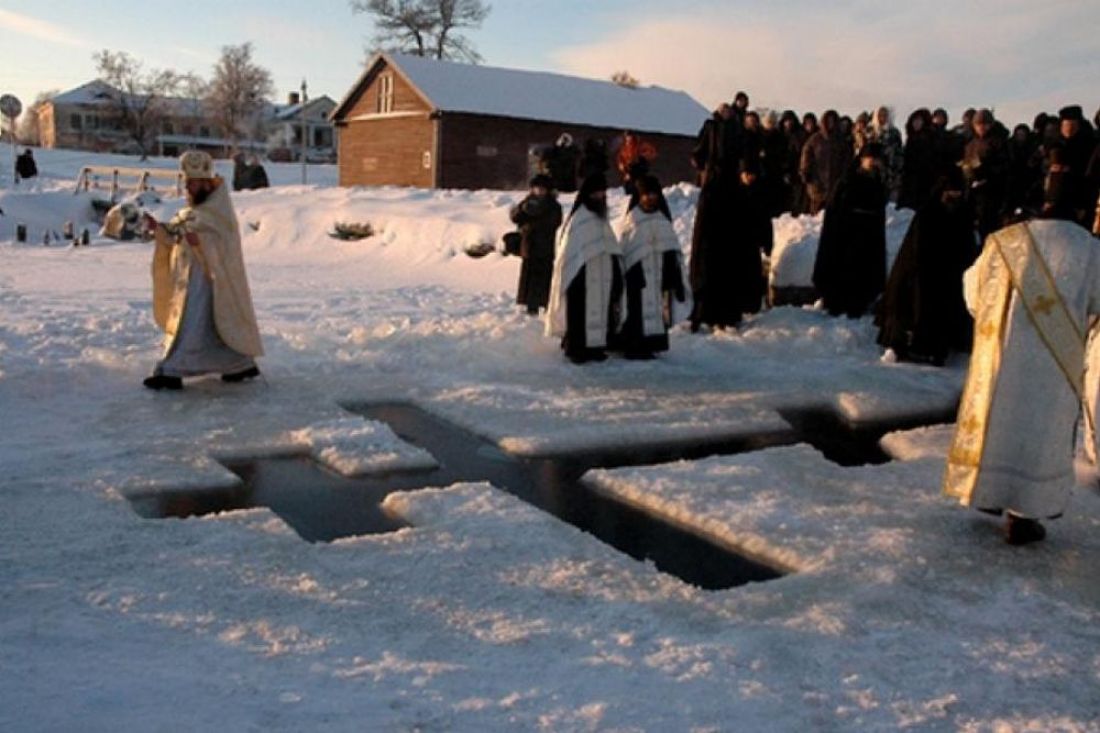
{"type": "Point", "coordinates": [752, 138]}
{"type": "Point", "coordinates": [850, 268]}
{"type": "Point", "coordinates": [965, 129]}
{"type": "Point", "coordinates": [714, 157]}
{"type": "Point", "coordinates": [257, 175]}
{"type": "Point", "coordinates": [794, 138]}
{"type": "Point", "coordinates": [727, 276]}
{"type": "Point", "coordinates": [717, 146]}
{"type": "Point", "coordinates": [886, 134]}
{"type": "Point", "coordinates": [241, 174]}
{"type": "Point", "coordinates": [922, 315]}
{"type": "Point", "coordinates": [1077, 146]}
{"type": "Point", "coordinates": [633, 161]}
{"type": "Point", "coordinates": [824, 159]}
{"type": "Point", "coordinates": [947, 144]}
{"type": "Point", "coordinates": [594, 160]}
{"type": "Point", "coordinates": [1024, 171]}
{"type": "Point", "coordinates": [248, 174]}
{"type": "Point", "coordinates": [25, 167]}
{"type": "Point", "coordinates": [561, 164]}
{"type": "Point", "coordinates": [985, 165]}
{"type": "Point", "coordinates": [740, 107]}
{"type": "Point", "coordinates": [919, 169]}
{"type": "Point", "coordinates": [809, 125]}
{"type": "Point", "coordinates": [773, 162]}
{"type": "Point", "coordinates": [538, 217]}
{"type": "Point", "coordinates": [861, 132]}
{"type": "Point", "coordinates": [653, 272]}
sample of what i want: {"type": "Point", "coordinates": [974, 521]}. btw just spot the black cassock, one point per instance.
{"type": "Point", "coordinates": [727, 276]}
{"type": "Point", "coordinates": [573, 343]}
{"type": "Point", "coordinates": [850, 269]}
{"type": "Point", "coordinates": [538, 219]}
{"type": "Point", "coordinates": [923, 315]}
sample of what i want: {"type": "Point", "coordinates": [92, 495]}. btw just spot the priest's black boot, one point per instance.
{"type": "Point", "coordinates": [159, 382]}
{"type": "Point", "coordinates": [1023, 531]}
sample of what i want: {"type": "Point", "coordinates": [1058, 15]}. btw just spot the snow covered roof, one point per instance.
{"type": "Point", "coordinates": [537, 95]}
{"type": "Point", "coordinates": [93, 92]}
{"type": "Point", "coordinates": [98, 92]}
{"type": "Point", "coordinates": [322, 105]}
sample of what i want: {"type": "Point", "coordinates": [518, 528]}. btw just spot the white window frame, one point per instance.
{"type": "Point", "coordinates": [385, 93]}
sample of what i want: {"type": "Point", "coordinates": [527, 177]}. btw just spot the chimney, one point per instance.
{"type": "Point", "coordinates": [293, 98]}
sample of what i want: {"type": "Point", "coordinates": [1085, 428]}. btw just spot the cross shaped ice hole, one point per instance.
{"type": "Point", "coordinates": [322, 506]}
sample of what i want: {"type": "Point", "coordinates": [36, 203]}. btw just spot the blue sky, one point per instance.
{"type": "Point", "coordinates": [1018, 56]}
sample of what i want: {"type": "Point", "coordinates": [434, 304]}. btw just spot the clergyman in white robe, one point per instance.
{"type": "Point", "coordinates": [585, 291]}
{"type": "Point", "coordinates": [650, 246]}
{"type": "Point", "coordinates": [201, 297]}
{"type": "Point", "coordinates": [1032, 293]}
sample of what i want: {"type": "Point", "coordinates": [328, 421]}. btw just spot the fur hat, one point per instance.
{"type": "Point", "coordinates": [197, 164]}
{"type": "Point", "coordinates": [648, 184]}
{"type": "Point", "coordinates": [1072, 112]}
{"type": "Point", "coordinates": [595, 182]}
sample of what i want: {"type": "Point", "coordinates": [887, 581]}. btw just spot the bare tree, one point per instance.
{"type": "Point", "coordinates": [625, 79]}
{"type": "Point", "coordinates": [27, 132]}
{"type": "Point", "coordinates": [194, 90]}
{"type": "Point", "coordinates": [425, 27]}
{"type": "Point", "coordinates": [238, 91]}
{"type": "Point", "coordinates": [138, 98]}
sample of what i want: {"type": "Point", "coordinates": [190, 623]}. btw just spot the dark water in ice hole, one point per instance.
{"type": "Point", "coordinates": [321, 505]}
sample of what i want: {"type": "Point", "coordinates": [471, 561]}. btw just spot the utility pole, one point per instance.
{"type": "Point", "coordinates": [305, 130]}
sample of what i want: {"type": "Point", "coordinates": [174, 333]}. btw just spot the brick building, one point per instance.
{"type": "Point", "coordinates": [414, 121]}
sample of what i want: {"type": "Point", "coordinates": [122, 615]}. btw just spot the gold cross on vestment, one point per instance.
{"type": "Point", "coordinates": [1043, 304]}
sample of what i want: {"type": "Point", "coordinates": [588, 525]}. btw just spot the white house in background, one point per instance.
{"type": "Point", "coordinates": [287, 122]}
{"type": "Point", "coordinates": [82, 119]}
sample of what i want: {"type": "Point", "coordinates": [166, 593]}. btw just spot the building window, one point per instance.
{"type": "Point", "coordinates": [385, 93]}
{"type": "Point", "coordinates": [169, 128]}
{"type": "Point", "coordinates": [76, 122]}
{"type": "Point", "coordinates": [322, 137]}
{"type": "Point", "coordinates": [204, 131]}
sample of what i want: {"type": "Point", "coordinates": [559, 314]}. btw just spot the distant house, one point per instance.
{"type": "Point", "coordinates": [414, 121]}
{"type": "Point", "coordinates": [285, 129]}
{"type": "Point", "coordinates": [83, 119]}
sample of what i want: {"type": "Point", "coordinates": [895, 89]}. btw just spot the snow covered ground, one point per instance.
{"type": "Point", "coordinates": [899, 610]}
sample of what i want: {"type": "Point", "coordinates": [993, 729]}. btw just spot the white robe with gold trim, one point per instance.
{"type": "Point", "coordinates": [1013, 447]}
{"type": "Point", "coordinates": [220, 263]}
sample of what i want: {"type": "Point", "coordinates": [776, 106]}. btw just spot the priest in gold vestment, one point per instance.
{"type": "Point", "coordinates": [1033, 292]}
{"type": "Point", "coordinates": [201, 297]}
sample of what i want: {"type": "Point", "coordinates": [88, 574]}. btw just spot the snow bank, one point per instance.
{"type": "Point", "coordinates": [795, 245]}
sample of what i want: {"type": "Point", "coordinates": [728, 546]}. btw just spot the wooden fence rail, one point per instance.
{"type": "Point", "coordinates": [94, 177]}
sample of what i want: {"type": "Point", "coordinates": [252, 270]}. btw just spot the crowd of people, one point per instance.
{"type": "Point", "coordinates": [963, 182]}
